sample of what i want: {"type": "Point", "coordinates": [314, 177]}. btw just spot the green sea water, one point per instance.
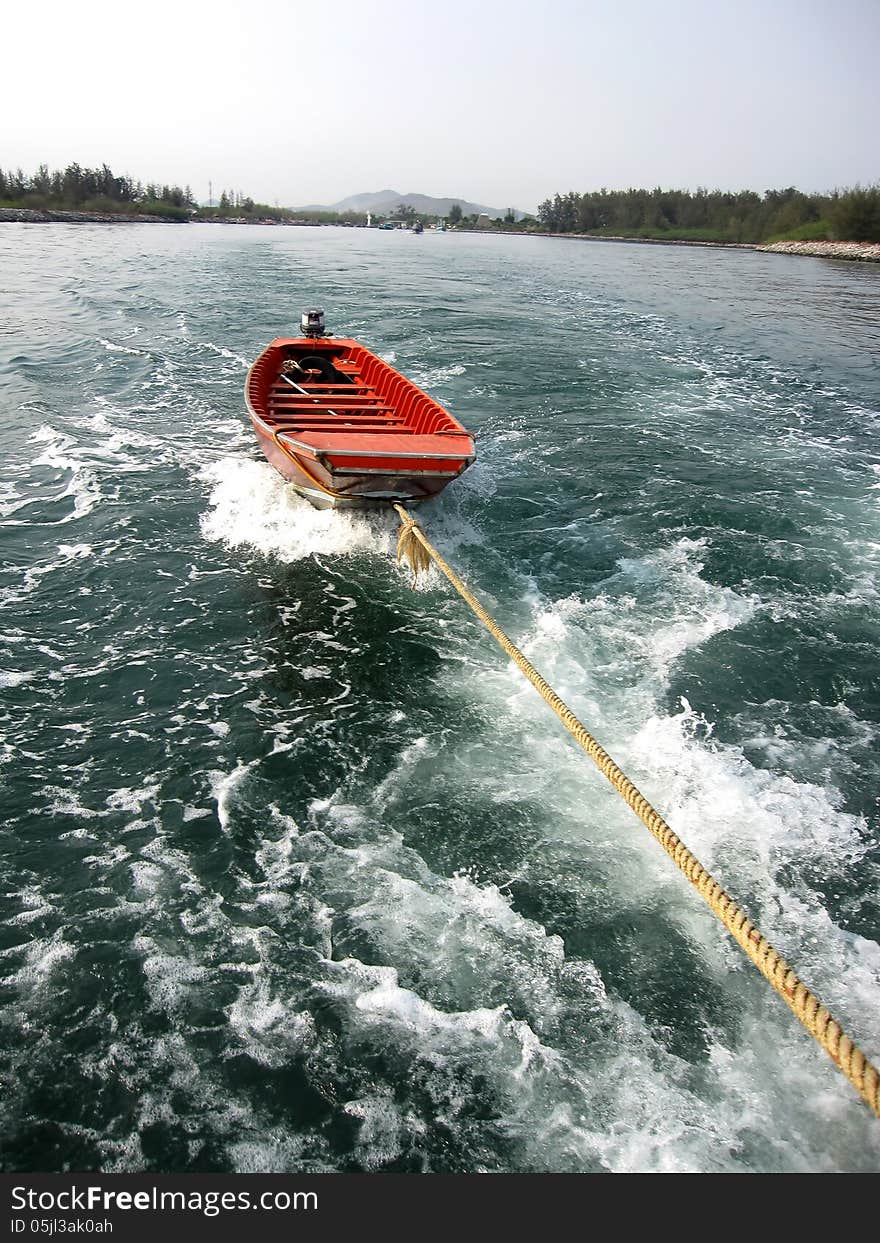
{"type": "Point", "coordinates": [296, 873]}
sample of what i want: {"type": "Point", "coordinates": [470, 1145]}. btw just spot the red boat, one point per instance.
{"type": "Point", "coordinates": [345, 428]}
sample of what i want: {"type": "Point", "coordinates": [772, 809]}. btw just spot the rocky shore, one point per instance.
{"type": "Point", "coordinates": [869, 251]}
{"type": "Point", "coordinates": [25, 215]}
{"type": "Point", "coordinates": [605, 237]}
{"type": "Point", "coordinates": [866, 251]}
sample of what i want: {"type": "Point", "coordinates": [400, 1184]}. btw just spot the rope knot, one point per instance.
{"type": "Point", "coordinates": [409, 544]}
{"type": "Point", "coordinates": [405, 527]}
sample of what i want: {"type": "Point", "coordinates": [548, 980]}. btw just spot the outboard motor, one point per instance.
{"type": "Point", "coordinates": [312, 322]}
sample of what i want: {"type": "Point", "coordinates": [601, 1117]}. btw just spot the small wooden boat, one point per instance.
{"type": "Point", "coordinates": [345, 428]}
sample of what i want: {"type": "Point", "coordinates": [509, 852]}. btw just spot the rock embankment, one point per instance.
{"type": "Point", "coordinates": [828, 250]}
{"type": "Point", "coordinates": [27, 215]}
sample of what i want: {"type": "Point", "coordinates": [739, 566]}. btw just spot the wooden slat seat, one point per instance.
{"type": "Point", "coordinates": [290, 394]}
{"type": "Point", "coordinates": [326, 417]}
{"type": "Point", "coordinates": [321, 386]}
{"type": "Point", "coordinates": [328, 394]}
{"type": "Point", "coordinates": [345, 429]}
{"type": "Point", "coordinates": [321, 390]}
{"type": "Point", "coordinates": [329, 403]}
{"type": "Point", "coordinates": [330, 413]}
{"type": "Point", "coordinates": [340, 425]}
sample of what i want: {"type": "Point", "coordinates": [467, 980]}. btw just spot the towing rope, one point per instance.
{"type": "Point", "coordinates": [414, 546]}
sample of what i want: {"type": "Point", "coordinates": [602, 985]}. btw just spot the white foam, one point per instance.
{"type": "Point", "coordinates": [434, 377]}
{"type": "Point", "coordinates": [41, 959]}
{"type": "Point", "coordinates": [225, 353]}
{"type": "Point", "coordinates": [382, 1129]}
{"type": "Point", "coordinates": [82, 485]}
{"type": "Point", "coordinates": [67, 553]}
{"type": "Point", "coordinates": [113, 348]}
{"type": "Point", "coordinates": [269, 1029]}
{"type": "Point", "coordinates": [224, 786]}
{"type": "Point", "coordinates": [10, 499]}
{"type": "Point", "coordinates": [146, 877]}
{"type": "Point", "coordinates": [252, 506]}
{"type": "Point", "coordinates": [34, 906]}
{"type": "Point", "coordinates": [129, 799]}
{"type": "Point", "coordinates": [611, 657]}
{"type": "Point", "coordinates": [194, 813]}
{"type": "Point", "coordinates": [378, 997]}
{"type": "Point", "coordinates": [66, 801]}
{"type": "Point", "coordinates": [170, 978]}
{"type": "Point", "coordinates": [10, 679]}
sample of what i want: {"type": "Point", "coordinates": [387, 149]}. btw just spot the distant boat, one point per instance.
{"type": "Point", "coordinates": [346, 429]}
{"type": "Point", "coordinates": [418, 227]}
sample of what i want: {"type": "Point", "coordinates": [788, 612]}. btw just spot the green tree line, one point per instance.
{"type": "Point", "coordinates": [92, 190]}
{"type": "Point", "coordinates": [100, 190]}
{"type": "Point", "coordinates": [716, 215]}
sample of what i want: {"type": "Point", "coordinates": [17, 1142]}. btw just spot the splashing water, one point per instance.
{"type": "Point", "coordinates": [298, 873]}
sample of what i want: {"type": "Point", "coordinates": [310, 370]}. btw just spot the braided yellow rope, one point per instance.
{"type": "Point", "coordinates": [861, 1073]}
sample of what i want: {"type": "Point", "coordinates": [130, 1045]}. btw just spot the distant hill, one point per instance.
{"type": "Point", "coordinates": [384, 201]}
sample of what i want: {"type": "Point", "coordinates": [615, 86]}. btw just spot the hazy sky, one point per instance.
{"type": "Point", "coordinates": [503, 103]}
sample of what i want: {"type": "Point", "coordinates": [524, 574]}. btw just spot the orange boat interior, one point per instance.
{"type": "Point", "coordinates": [337, 386]}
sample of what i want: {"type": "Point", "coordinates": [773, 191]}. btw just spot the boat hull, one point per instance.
{"type": "Point", "coordinates": [326, 489]}
{"type": "Point", "coordinates": [349, 431]}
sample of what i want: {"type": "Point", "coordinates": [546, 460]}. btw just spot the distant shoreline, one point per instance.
{"type": "Point", "coordinates": [610, 237]}
{"type": "Point", "coordinates": [28, 215]}
{"type": "Point", "coordinates": [866, 252]}
{"type": "Point", "coordinates": [863, 251]}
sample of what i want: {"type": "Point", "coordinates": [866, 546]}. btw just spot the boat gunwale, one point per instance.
{"type": "Point", "coordinates": [263, 375]}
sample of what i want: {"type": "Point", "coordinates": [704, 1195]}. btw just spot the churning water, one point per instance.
{"type": "Point", "coordinates": [297, 873]}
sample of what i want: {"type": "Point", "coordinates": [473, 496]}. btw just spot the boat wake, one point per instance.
{"type": "Point", "coordinates": [297, 873]}
{"type": "Point", "coordinates": [251, 506]}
